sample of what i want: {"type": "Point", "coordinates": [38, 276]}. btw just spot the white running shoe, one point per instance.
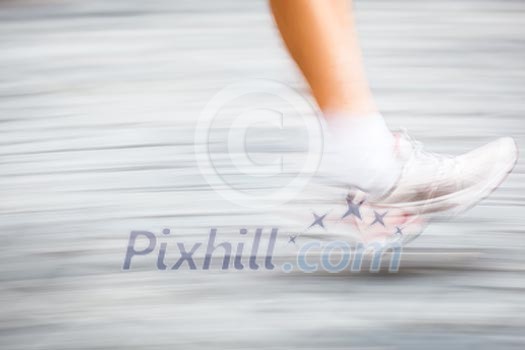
{"type": "Point", "coordinates": [432, 183]}
{"type": "Point", "coordinates": [429, 183]}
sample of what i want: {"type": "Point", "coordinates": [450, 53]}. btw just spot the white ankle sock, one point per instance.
{"type": "Point", "coordinates": [365, 152]}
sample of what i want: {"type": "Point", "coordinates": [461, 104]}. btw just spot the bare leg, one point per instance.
{"type": "Point", "coordinates": [321, 37]}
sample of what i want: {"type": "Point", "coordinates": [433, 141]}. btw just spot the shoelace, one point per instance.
{"type": "Point", "coordinates": [419, 149]}
{"type": "Point", "coordinates": [441, 160]}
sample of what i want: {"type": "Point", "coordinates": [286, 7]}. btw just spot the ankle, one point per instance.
{"type": "Point", "coordinates": [365, 148]}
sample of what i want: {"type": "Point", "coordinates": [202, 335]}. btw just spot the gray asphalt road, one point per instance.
{"type": "Point", "coordinates": [98, 106]}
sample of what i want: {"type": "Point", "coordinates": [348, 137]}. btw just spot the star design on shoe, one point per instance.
{"type": "Point", "coordinates": [379, 224]}
{"type": "Point", "coordinates": [318, 220]}
{"type": "Point", "coordinates": [379, 218]}
{"type": "Point", "coordinates": [398, 232]}
{"type": "Point", "coordinates": [353, 208]}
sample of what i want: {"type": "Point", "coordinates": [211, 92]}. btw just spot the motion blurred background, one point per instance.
{"type": "Point", "coordinates": [98, 106]}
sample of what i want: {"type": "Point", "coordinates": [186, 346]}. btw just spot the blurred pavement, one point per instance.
{"type": "Point", "coordinates": [98, 103]}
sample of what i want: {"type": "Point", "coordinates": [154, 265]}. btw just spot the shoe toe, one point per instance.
{"type": "Point", "coordinates": [498, 156]}
{"type": "Point", "coordinates": [508, 152]}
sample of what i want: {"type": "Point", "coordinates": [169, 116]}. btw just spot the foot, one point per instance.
{"type": "Point", "coordinates": [432, 183]}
